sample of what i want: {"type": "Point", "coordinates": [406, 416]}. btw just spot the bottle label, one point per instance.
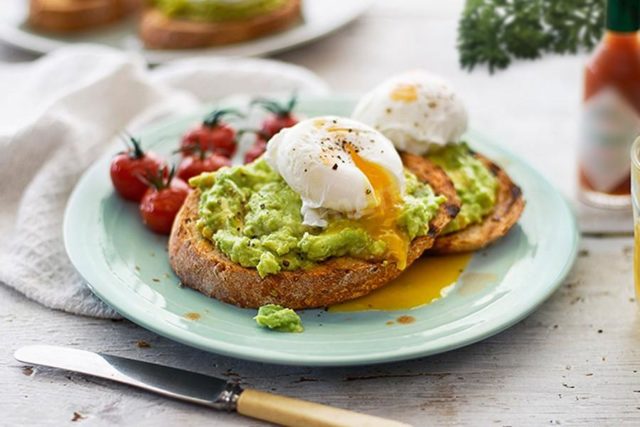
{"type": "Point", "coordinates": [609, 126]}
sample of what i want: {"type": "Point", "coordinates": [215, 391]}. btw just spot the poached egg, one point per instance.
{"type": "Point", "coordinates": [415, 110]}
{"type": "Point", "coordinates": [341, 166]}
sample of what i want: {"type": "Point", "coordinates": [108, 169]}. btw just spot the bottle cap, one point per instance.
{"type": "Point", "coordinates": [623, 15]}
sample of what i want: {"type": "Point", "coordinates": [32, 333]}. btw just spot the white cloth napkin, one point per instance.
{"type": "Point", "coordinates": [59, 113]}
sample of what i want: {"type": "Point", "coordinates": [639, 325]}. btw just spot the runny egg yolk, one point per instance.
{"type": "Point", "coordinates": [381, 220]}
{"type": "Point", "coordinates": [428, 279]}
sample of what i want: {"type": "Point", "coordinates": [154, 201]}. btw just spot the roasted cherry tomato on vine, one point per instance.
{"type": "Point", "coordinates": [129, 168]}
{"type": "Point", "coordinates": [212, 135]}
{"type": "Point", "coordinates": [274, 124]}
{"type": "Point", "coordinates": [198, 163]}
{"type": "Point", "coordinates": [162, 201]}
{"type": "Point", "coordinates": [256, 150]}
{"type": "Point", "coordinates": [281, 115]}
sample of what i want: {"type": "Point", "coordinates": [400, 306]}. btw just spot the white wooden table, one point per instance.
{"type": "Point", "coordinates": [575, 361]}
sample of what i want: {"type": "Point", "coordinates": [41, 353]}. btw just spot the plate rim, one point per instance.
{"type": "Point", "coordinates": [481, 331]}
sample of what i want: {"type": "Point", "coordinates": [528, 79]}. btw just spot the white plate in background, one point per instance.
{"type": "Point", "coordinates": [321, 17]}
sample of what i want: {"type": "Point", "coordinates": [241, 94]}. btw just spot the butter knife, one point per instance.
{"type": "Point", "coordinates": [215, 393]}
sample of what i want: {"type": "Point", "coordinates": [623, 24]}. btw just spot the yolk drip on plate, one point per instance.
{"type": "Point", "coordinates": [381, 221]}
{"type": "Point", "coordinates": [404, 93]}
{"type": "Point", "coordinates": [424, 282]}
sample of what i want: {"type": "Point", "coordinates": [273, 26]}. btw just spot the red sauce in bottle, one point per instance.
{"type": "Point", "coordinates": [611, 119]}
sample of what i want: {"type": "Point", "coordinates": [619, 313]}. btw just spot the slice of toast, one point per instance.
{"type": "Point", "coordinates": [507, 211]}
{"type": "Point", "coordinates": [63, 16]}
{"type": "Point", "coordinates": [201, 266]}
{"type": "Point", "coordinates": [159, 31]}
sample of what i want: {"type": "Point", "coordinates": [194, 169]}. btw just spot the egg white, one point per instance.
{"type": "Point", "coordinates": [312, 159]}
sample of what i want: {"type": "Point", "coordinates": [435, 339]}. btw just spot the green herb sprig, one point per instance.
{"type": "Point", "coordinates": [495, 32]}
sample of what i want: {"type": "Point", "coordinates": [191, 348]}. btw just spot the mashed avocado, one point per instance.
{"type": "Point", "coordinates": [475, 184]}
{"type": "Point", "coordinates": [277, 317]}
{"type": "Point", "coordinates": [217, 10]}
{"type": "Point", "coordinates": [253, 217]}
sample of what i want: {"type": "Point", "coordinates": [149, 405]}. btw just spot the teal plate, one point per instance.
{"type": "Point", "coordinates": [127, 267]}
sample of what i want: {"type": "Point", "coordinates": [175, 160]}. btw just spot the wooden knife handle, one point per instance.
{"type": "Point", "coordinates": [287, 411]}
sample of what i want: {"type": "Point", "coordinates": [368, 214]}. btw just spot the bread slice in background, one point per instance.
{"type": "Point", "coordinates": [201, 266]}
{"type": "Point", "coordinates": [505, 214]}
{"type": "Point", "coordinates": [65, 16]}
{"type": "Point", "coordinates": [159, 31]}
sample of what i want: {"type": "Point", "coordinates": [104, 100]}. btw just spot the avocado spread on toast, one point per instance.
{"type": "Point", "coordinates": [253, 217]}
{"type": "Point", "coordinates": [474, 183]}
{"type": "Point", "coordinates": [217, 10]}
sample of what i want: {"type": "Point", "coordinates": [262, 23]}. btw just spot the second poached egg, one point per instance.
{"type": "Point", "coordinates": [416, 110]}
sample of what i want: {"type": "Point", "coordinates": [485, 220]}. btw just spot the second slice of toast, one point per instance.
{"type": "Point", "coordinates": [506, 212]}
{"type": "Point", "coordinates": [65, 16]}
{"type": "Point", "coordinates": [159, 31]}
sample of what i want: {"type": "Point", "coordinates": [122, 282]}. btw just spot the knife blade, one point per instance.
{"type": "Point", "coordinates": [197, 388]}
{"type": "Point", "coordinates": [167, 381]}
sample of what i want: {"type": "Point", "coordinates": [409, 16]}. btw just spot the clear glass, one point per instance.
{"type": "Point", "coordinates": [635, 197]}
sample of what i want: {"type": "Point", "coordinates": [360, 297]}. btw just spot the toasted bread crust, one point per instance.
{"type": "Point", "coordinates": [158, 31]}
{"type": "Point", "coordinates": [201, 266]}
{"type": "Point", "coordinates": [78, 15]}
{"type": "Point", "coordinates": [507, 211]}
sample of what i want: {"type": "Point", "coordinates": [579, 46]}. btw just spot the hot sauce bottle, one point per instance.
{"type": "Point", "coordinates": [611, 112]}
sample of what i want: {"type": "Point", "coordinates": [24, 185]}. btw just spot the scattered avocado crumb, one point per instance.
{"type": "Point", "coordinates": [155, 279]}
{"type": "Point", "coordinates": [278, 318]}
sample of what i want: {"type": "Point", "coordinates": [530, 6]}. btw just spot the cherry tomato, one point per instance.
{"type": "Point", "coordinates": [161, 203]}
{"type": "Point", "coordinates": [281, 115]}
{"type": "Point", "coordinates": [255, 151]}
{"type": "Point", "coordinates": [195, 165]}
{"type": "Point", "coordinates": [212, 135]}
{"type": "Point", "coordinates": [276, 122]}
{"type": "Point", "coordinates": [129, 168]}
